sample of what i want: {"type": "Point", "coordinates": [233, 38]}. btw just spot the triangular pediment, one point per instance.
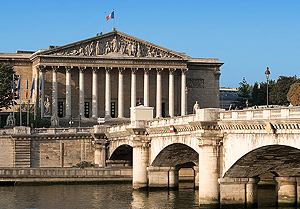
{"type": "Point", "coordinates": [114, 44]}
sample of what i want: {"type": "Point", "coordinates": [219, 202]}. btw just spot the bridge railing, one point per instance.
{"type": "Point", "coordinates": [259, 114]}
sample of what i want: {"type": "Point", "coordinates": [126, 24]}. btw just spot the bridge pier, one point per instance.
{"type": "Point", "coordinates": [239, 191]}
{"type": "Point", "coordinates": [140, 163]}
{"type": "Point", "coordinates": [100, 155]}
{"type": "Point", "coordinates": [163, 177]}
{"type": "Point", "coordinates": [208, 171]}
{"type": "Point", "coordinates": [286, 191]}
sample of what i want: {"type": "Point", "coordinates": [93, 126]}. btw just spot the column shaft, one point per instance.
{"type": "Point", "coordinates": [107, 92]}
{"type": "Point", "coordinates": [146, 87]}
{"type": "Point", "coordinates": [68, 92]}
{"type": "Point", "coordinates": [133, 87]}
{"type": "Point", "coordinates": [81, 91]}
{"type": "Point", "coordinates": [158, 93]}
{"type": "Point", "coordinates": [171, 92]}
{"type": "Point", "coordinates": [183, 85]}
{"type": "Point", "coordinates": [120, 94]}
{"type": "Point", "coordinates": [41, 95]}
{"type": "Point", "coordinates": [95, 94]}
{"type": "Point", "coordinates": [54, 90]}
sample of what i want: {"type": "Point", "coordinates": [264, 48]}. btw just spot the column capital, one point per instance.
{"type": "Point", "coordinates": [172, 71]}
{"type": "Point", "coordinates": [134, 70]}
{"type": "Point", "coordinates": [95, 69]}
{"type": "Point", "coordinates": [54, 68]}
{"type": "Point", "coordinates": [159, 70]}
{"type": "Point", "coordinates": [217, 75]}
{"type": "Point", "coordinates": [82, 68]}
{"type": "Point", "coordinates": [108, 69]}
{"type": "Point", "coordinates": [68, 68]}
{"type": "Point", "coordinates": [147, 70]}
{"type": "Point", "coordinates": [184, 70]}
{"type": "Point", "coordinates": [41, 68]}
{"type": "Point", "coordinates": [121, 70]}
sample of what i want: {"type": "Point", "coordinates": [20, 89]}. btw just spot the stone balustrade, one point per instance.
{"type": "Point", "coordinates": [259, 114]}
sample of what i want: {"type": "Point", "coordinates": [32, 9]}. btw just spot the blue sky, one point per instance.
{"type": "Point", "coordinates": [247, 36]}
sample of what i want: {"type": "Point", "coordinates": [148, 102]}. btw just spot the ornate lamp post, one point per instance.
{"type": "Point", "coordinates": [186, 100]}
{"type": "Point", "coordinates": [267, 76]}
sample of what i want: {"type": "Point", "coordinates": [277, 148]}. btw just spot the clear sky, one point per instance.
{"type": "Point", "coordinates": [247, 36]}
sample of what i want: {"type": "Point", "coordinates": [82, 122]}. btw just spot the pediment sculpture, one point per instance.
{"type": "Point", "coordinates": [115, 44]}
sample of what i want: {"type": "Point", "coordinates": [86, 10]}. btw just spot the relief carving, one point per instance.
{"type": "Point", "coordinates": [116, 44]}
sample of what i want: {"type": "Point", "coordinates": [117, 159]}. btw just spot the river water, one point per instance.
{"type": "Point", "coordinates": [108, 196]}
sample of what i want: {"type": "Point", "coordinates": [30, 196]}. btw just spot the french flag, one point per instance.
{"type": "Point", "coordinates": [27, 89]}
{"type": "Point", "coordinates": [111, 16]}
{"type": "Point", "coordinates": [12, 87]}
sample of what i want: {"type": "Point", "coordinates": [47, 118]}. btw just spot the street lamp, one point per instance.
{"type": "Point", "coordinates": [267, 76]}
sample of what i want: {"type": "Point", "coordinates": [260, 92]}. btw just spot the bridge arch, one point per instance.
{"type": "Point", "coordinates": [176, 154]}
{"type": "Point", "coordinates": [237, 146]}
{"type": "Point", "coordinates": [280, 160]}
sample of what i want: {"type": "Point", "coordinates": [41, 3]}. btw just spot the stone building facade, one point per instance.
{"type": "Point", "coordinates": [106, 75]}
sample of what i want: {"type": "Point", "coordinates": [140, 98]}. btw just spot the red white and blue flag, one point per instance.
{"type": "Point", "coordinates": [111, 16]}
{"type": "Point", "coordinates": [32, 88]}
{"type": "Point", "coordinates": [12, 87]}
{"type": "Point", "coordinates": [19, 87]}
{"type": "Point", "coordinates": [27, 89]}
{"type": "Point", "coordinates": [41, 88]}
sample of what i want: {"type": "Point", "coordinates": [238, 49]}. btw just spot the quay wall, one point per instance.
{"type": "Point", "coordinates": [44, 175]}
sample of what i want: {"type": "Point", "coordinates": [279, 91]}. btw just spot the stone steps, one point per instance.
{"type": "Point", "coordinates": [22, 153]}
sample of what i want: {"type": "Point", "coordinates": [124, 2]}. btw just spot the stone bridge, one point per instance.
{"type": "Point", "coordinates": [228, 151]}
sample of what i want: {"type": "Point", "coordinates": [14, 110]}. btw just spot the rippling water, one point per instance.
{"type": "Point", "coordinates": [108, 196]}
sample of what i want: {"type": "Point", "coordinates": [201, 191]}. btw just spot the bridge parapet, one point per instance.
{"type": "Point", "coordinates": [259, 114]}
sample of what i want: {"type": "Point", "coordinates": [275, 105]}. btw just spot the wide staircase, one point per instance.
{"type": "Point", "coordinates": [22, 153]}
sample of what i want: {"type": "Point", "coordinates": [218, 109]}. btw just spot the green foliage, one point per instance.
{"type": "Point", "coordinates": [83, 164]}
{"type": "Point", "coordinates": [278, 93]}
{"type": "Point", "coordinates": [6, 76]}
{"type": "Point", "coordinates": [293, 95]}
{"type": "Point", "coordinates": [243, 94]}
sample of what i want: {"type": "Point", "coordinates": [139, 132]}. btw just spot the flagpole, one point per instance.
{"type": "Point", "coordinates": [20, 103]}
{"type": "Point", "coordinates": [13, 97]}
{"type": "Point", "coordinates": [27, 103]}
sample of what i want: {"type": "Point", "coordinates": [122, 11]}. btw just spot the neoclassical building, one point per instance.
{"type": "Point", "coordinates": [106, 75]}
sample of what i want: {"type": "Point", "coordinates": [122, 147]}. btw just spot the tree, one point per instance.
{"type": "Point", "coordinates": [278, 93]}
{"type": "Point", "coordinates": [293, 95]}
{"type": "Point", "coordinates": [6, 76]}
{"type": "Point", "coordinates": [243, 93]}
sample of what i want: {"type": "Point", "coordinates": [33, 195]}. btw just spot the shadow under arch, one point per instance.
{"type": "Point", "coordinates": [175, 155]}
{"type": "Point", "coordinates": [122, 156]}
{"type": "Point", "coordinates": [280, 160]}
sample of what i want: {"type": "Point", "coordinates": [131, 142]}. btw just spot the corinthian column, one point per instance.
{"type": "Point", "coordinates": [81, 90]}
{"type": "Point", "coordinates": [120, 93]}
{"type": "Point", "coordinates": [107, 92]}
{"type": "Point", "coordinates": [146, 87]}
{"type": "Point", "coordinates": [133, 86]}
{"type": "Point", "coordinates": [94, 94]}
{"type": "Point", "coordinates": [183, 85]}
{"type": "Point", "coordinates": [54, 90]}
{"type": "Point", "coordinates": [171, 92]}
{"type": "Point", "coordinates": [158, 93]}
{"type": "Point", "coordinates": [68, 91]}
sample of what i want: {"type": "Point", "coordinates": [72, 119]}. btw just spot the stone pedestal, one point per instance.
{"type": "Point", "coordinates": [163, 177]}
{"type": "Point", "coordinates": [286, 191]}
{"type": "Point", "coordinates": [140, 163]}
